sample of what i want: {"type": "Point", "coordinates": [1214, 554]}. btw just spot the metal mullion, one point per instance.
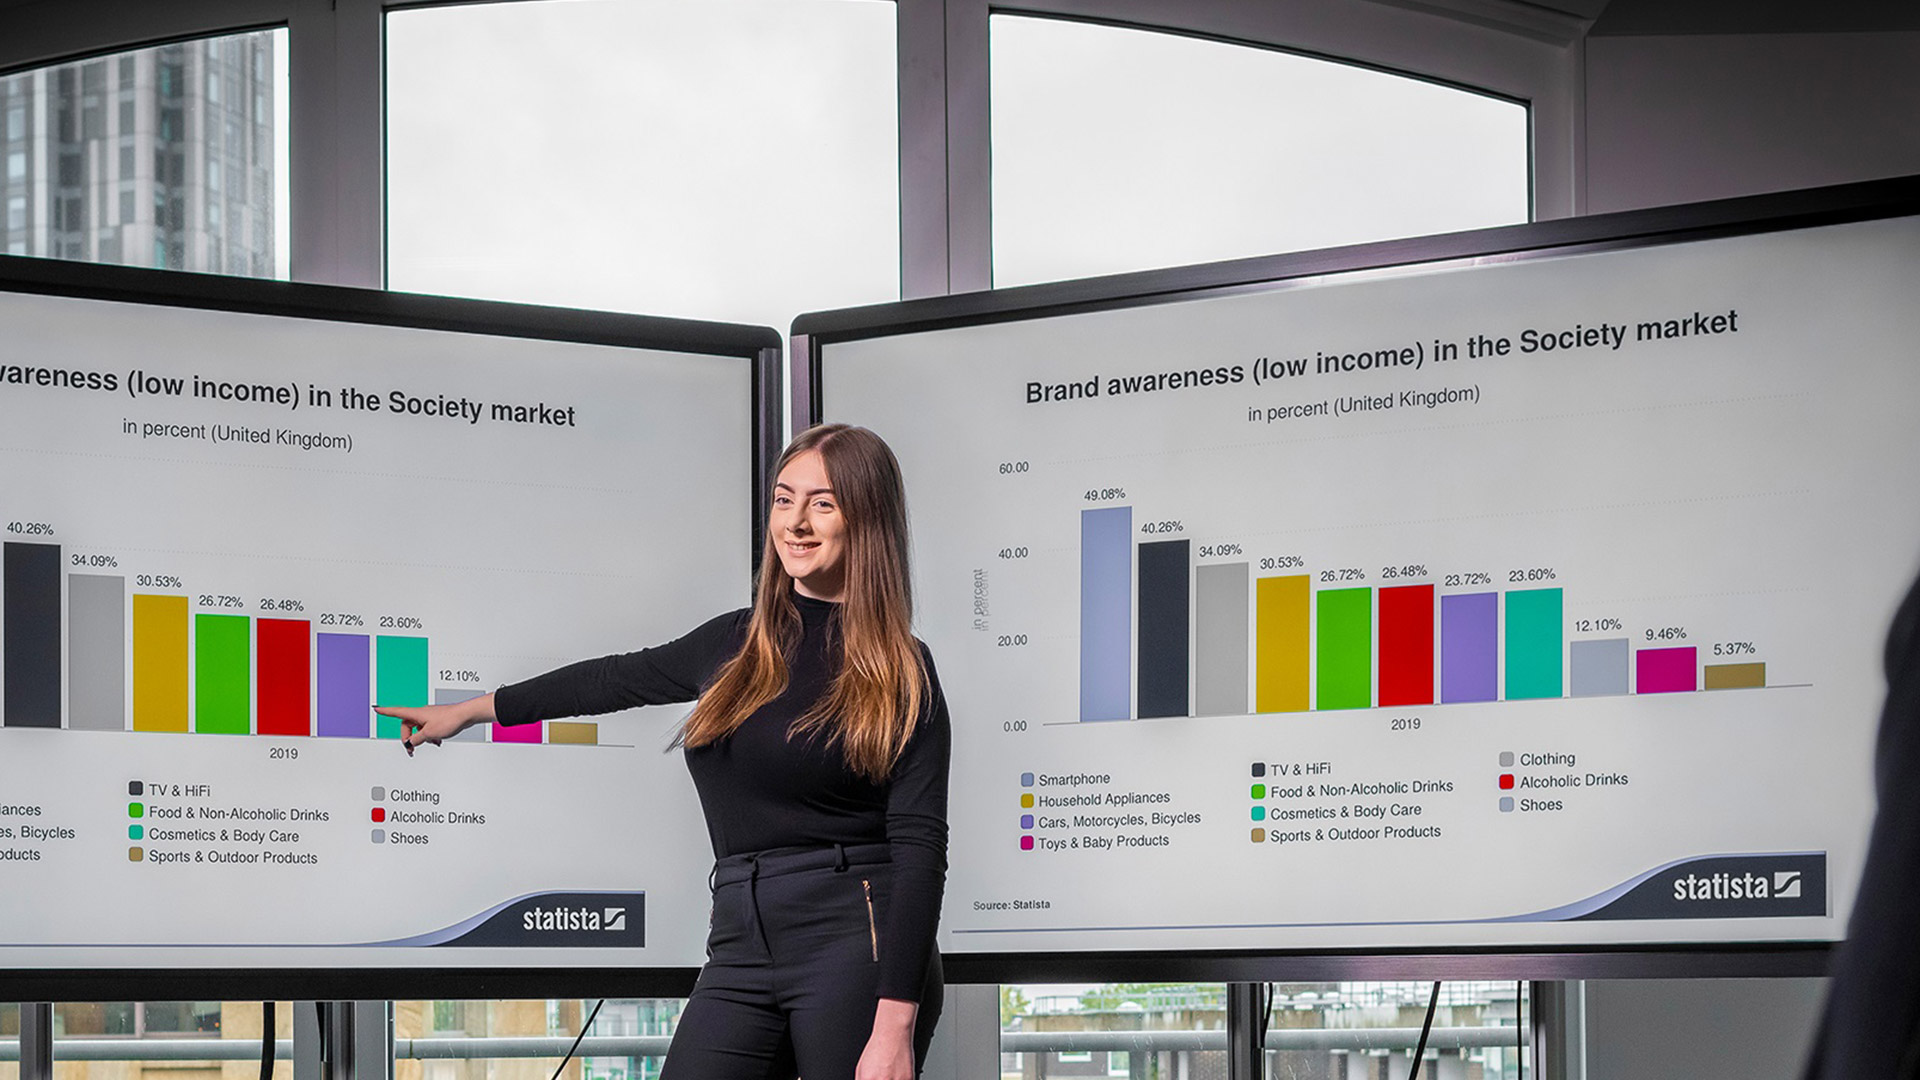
{"type": "Point", "coordinates": [36, 1040]}
{"type": "Point", "coordinates": [337, 158]}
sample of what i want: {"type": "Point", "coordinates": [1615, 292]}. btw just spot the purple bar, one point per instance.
{"type": "Point", "coordinates": [1470, 647]}
{"type": "Point", "coordinates": [1666, 671]}
{"type": "Point", "coordinates": [343, 685]}
{"type": "Point", "coordinates": [1106, 613]}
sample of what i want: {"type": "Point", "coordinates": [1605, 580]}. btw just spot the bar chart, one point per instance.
{"type": "Point", "coordinates": [203, 600]}
{"type": "Point", "coordinates": [1343, 642]}
{"type": "Point", "coordinates": [1165, 634]}
{"type": "Point", "coordinates": [140, 655]}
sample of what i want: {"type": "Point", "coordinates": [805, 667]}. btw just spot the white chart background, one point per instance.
{"type": "Point", "coordinates": [517, 546]}
{"type": "Point", "coordinates": [1750, 488]}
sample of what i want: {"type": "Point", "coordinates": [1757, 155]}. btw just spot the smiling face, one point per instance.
{"type": "Point", "coordinates": [808, 530]}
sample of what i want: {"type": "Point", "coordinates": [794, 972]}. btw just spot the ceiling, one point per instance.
{"type": "Point", "coordinates": [1608, 18]}
{"type": "Point", "coordinates": [1619, 18]}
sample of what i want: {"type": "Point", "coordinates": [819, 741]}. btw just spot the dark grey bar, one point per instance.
{"type": "Point", "coordinates": [97, 652]}
{"type": "Point", "coordinates": [31, 588]}
{"type": "Point", "coordinates": [1162, 653]}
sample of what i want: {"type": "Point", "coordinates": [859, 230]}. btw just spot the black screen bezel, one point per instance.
{"type": "Point", "coordinates": [814, 334]}
{"type": "Point", "coordinates": [757, 346]}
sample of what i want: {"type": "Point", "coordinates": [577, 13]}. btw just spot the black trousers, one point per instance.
{"type": "Point", "coordinates": [792, 962]}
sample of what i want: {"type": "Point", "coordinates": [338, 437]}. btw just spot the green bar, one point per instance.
{"type": "Point", "coordinates": [222, 674]}
{"type": "Point", "coordinates": [1534, 645]}
{"type": "Point", "coordinates": [401, 677]}
{"type": "Point", "coordinates": [1344, 662]}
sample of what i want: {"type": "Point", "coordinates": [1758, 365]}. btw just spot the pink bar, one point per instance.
{"type": "Point", "coordinates": [1666, 671]}
{"type": "Point", "coordinates": [530, 733]}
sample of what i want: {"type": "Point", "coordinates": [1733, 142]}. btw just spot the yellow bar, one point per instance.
{"type": "Point", "coordinates": [1280, 644]}
{"type": "Point", "coordinates": [1735, 676]}
{"type": "Point", "coordinates": [159, 663]}
{"type": "Point", "coordinates": [571, 731]}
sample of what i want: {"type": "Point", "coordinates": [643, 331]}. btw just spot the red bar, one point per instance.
{"type": "Point", "coordinates": [1406, 645]}
{"type": "Point", "coordinates": [285, 676]}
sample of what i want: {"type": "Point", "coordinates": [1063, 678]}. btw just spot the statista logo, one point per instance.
{"type": "Point", "coordinates": [569, 920]}
{"type": "Point", "coordinates": [613, 919]}
{"type": "Point", "coordinates": [1725, 886]}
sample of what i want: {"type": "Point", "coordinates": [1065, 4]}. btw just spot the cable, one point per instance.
{"type": "Point", "coordinates": [1519, 1032]}
{"type": "Point", "coordinates": [1421, 1050]}
{"type": "Point", "coordinates": [577, 1038]}
{"type": "Point", "coordinates": [266, 1040]}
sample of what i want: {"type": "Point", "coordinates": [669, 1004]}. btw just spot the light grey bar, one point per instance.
{"type": "Point", "coordinates": [535, 1046]}
{"type": "Point", "coordinates": [1599, 668]}
{"type": "Point", "coordinates": [163, 1050]}
{"type": "Point", "coordinates": [1398, 1038]}
{"type": "Point", "coordinates": [1220, 640]}
{"type": "Point", "coordinates": [96, 652]}
{"type": "Point", "coordinates": [454, 696]}
{"type": "Point", "coordinates": [146, 1049]}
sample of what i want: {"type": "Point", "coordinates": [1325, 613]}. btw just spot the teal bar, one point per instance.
{"type": "Point", "coordinates": [1535, 645]}
{"type": "Point", "coordinates": [400, 677]}
{"type": "Point", "coordinates": [1344, 657]}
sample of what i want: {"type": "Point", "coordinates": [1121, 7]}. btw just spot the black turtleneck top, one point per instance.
{"type": "Point", "coordinates": [760, 789]}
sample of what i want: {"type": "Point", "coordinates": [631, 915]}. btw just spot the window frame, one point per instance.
{"type": "Point", "coordinates": [337, 215]}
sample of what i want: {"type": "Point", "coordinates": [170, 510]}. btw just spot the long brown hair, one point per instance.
{"type": "Point", "coordinates": [870, 709]}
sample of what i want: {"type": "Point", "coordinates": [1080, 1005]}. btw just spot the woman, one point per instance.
{"type": "Point", "coordinates": [819, 747]}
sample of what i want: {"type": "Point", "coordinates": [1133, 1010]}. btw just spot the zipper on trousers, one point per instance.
{"type": "Point", "coordinates": [873, 932]}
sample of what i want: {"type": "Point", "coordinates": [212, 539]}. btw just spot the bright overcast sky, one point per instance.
{"type": "Point", "coordinates": [738, 159]}
{"type": "Point", "coordinates": [727, 159]}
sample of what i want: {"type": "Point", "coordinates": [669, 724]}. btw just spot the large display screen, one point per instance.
{"type": "Point", "coordinates": [227, 534]}
{"type": "Point", "coordinates": [1515, 603]}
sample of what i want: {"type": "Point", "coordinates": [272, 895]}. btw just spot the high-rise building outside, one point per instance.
{"type": "Point", "coordinates": [160, 157]}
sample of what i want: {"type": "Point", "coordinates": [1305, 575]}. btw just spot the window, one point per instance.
{"type": "Point", "coordinates": [1037, 1012]}
{"type": "Point", "coordinates": [1495, 1013]}
{"type": "Point", "coordinates": [1118, 149]}
{"type": "Point", "coordinates": [453, 1019]}
{"type": "Point", "coordinates": [161, 1020]}
{"type": "Point", "coordinates": [1038, 1020]}
{"type": "Point", "coordinates": [190, 228]}
{"type": "Point", "coordinates": [729, 159]}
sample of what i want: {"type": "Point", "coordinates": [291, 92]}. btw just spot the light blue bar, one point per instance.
{"type": "Point", "coordinates": [1106, 613]}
